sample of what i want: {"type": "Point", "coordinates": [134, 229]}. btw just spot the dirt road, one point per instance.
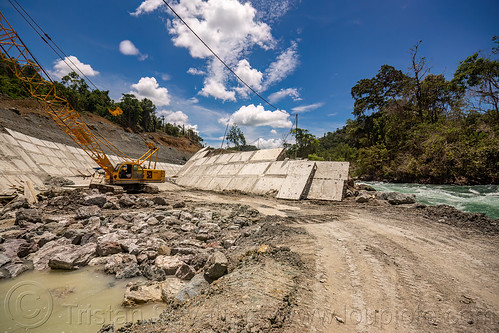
{"type": "Point", "coordinates": [388, 269]}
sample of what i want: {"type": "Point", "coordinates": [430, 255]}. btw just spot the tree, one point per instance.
{"type": "Point", "coordinates": [480, 76]}
{"type": "Point", "coordinates": [375, 93]}
{"type": "Point", "coordinates": [146, 119]}
{"type": "Point", "coordinates": [236, 136]}
{"type": "Point", "coordinates": [420, 69]}
{"type": "Point", "coordinates": [306, 143]}
{"type": "Point", "coordinates": [131, 111]}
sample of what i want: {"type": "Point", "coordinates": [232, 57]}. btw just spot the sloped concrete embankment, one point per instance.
{"type": "Point", "coordinates": [26, 158]}
{"type": "Point", "coordinates": [265, 172]}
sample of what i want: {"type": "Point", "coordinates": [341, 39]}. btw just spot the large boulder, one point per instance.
{"type": "Point", "coordinates": [76, 257]}
{"type": "Point", "coordinates": [95, 199]}
{"type": "Point", "coordinates": [46, 252]}
{"type": "Point", "coordinates": [15, 247]}
{"type": "Point", "coordinates": [107, 248]}
{"type": "Point", "coordinates": [87, 211]}
{"type": "Point", "coordinates": [168, 264]}
{"type": "Point", "coordinates": [142, 292]}
{"type": "Point", "coordinates": [28, 215]}
{"type": "Point", "coordinates": [185, 272]}
{"type": "Point", "coordinates": [192, 288]}
{"type": "Point", "coordinates": [216, 266]}
{"type": "Point", "coordinates": [122, 265]}
{"type": "Point", "coordinates": [44, 238]}
{"type": "Point", "coordinates": [396, 198]}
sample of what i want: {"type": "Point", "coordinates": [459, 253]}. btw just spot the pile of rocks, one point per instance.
{"type": "Point", "coordinates": [179, 248]}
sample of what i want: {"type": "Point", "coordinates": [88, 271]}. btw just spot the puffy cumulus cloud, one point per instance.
{"type": "Point", "coordinates": [284, 65]}
{"type": "Point", "coordinates": [307, 108]}
{"type": "Point", "coordinates": [148, 87]}
{"type": "Point", "coordinates": [273, 132]}
{"type": "Point", "coordinates": [268, 144]}
{"type": "Point", "coordinates": [177, 118]}
{"type": "Point", "coordinates": [291, 92]}
{"type": "Point", "coordinates": [128, 48]}
{"type": "Point", "coordinates": [251, 76]}
{"type": "Point", "coordinates": [61, 68]}
{"type": "Point", "coordinates": [147, 6]}
{"type": "Point", "coordinates": [216, 89]}
{"type": "Point", "coordinates": [231, 29]}
{"type": "Point", "coordinates": [252, 115]}
{"type": "Point", "coordinates": [227, 26]}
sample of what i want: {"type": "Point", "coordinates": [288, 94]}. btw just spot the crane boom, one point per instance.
{"type": "Point", "coordinates": [18, 58]}
{"type": "Point", "coordinates": [31, 74]}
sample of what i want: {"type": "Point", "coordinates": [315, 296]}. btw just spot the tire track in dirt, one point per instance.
{"type": "Point", "coordinates": [401, 276]}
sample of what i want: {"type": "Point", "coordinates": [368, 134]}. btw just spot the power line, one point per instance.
{"type": "Point", "coordinates": [41, 33]}
{"type": "Point", "coordinates": [220, 59]}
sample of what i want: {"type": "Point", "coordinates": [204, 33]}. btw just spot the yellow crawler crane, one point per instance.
{"type": "Point", "coordinates": [30, 72]}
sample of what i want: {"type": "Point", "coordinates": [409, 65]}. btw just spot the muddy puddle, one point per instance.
{"type": "Point", "coordinates": [69, 302]}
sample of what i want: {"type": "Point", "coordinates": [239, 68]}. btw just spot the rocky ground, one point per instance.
{"type": "Point", "coordinates": [243, 263]}
{"type": "Point", "coordinates": [239, 263]}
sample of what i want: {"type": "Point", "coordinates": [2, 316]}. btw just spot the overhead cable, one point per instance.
{"type": "Point", "coordinates": [221, 60]}
{"type": "Point", "coordinates": [46, 38]}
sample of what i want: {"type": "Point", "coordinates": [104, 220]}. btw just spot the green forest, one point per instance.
{"type": "Point", "coordinates": [138, 115]}
{"type": "Point", "coordinates": [418, 126]}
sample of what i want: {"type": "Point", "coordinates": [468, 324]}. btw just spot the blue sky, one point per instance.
{"type": "Point", "coordinates": [302, 56]}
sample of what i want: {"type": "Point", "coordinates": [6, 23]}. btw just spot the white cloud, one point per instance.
{"type": "Point", "coordinates": [272, 10]}
{"type": "Point", "coordinates": [268, 144]}
{"type": "Point", "coordinates": [128, 48]}
{"type": "Point", "coordinates": [307, 108]}
{"type": "Point", "coordinates": [178, 118]}
{"type": "Point", "coordinates": [148, 6]}
{"type": "Point", "coordinates": [231, 29]}
{"type": "Point", "coordinates": [273, 131]}
{"type": "Point", "coordinates": [61, 68]}
{"type": "Point", "coordinates": [252, 115]}
{"type": "Point", "coordinates": [285, 64]}
{"type": "Point", "coordinates": [251, 76]}
{"type": "Point", "coordinates": [214, 88]}
{"type": "Point", "coordinates": [148, 87]}
{"type": "Point", "coordinates": [292, 92]}
{"type": "Point", "coordinates": [195, 71]}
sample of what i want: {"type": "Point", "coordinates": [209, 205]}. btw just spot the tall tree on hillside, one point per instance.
{"type": "Point", "coordinates": [420, 69]}
{"type": "Point", "coordinates": [236, 136]}
{"type": "Point", "coordinates": [147, 116]}
{"type": "Point", "coordinates": [131, 111]}
{"type": "Point", "coordinates": [480, 76]}
{"type": "Point", "coordinates": [375, 93]}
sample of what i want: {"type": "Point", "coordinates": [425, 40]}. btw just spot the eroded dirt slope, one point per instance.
{"type": "Point", "coordinates": [27, 116]}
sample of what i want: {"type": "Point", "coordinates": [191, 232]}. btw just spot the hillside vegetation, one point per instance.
{"type": "Point", "coordinates": [418, 126]}
{"type": "Point", "coordinates": [137, 116]}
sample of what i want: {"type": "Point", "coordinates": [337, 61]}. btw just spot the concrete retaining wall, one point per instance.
{"type": "Point", "coordinates": [23, 157]}
{"type": "Point", "coordinates": [265, 172]}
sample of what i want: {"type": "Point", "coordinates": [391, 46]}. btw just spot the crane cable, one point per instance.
{"type": "Point", "coordinates": [47, 39]}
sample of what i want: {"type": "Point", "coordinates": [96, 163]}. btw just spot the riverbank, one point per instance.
{"type": "Point", "coordinates": [239, 262]}
{"type": "Point", "coordinates": [466, 198]}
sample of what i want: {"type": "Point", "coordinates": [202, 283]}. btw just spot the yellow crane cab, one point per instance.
{"type": "Point", "coordinates": [133, 173]}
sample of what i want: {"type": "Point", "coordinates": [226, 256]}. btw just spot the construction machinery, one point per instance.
{"type": "Point", "coordinates": [128, 172]}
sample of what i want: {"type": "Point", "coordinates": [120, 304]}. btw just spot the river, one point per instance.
{"type": "Point", "coordinates": [472, 199]}
{"type": "Point", "coordinates": [77, 301]}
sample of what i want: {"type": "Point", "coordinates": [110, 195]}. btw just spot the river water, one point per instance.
{"type": "Point", "coordinates": [473, 199]}
{"type": "Point", "coordinates": [67, 301]}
